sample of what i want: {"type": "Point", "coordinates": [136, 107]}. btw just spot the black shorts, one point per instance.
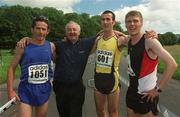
{"type": "Point", "coordinates": [139, 105]}
{"type": "Point", "coordinates": [104, 82]}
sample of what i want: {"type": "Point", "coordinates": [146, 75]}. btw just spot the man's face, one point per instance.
{"type": "Point", "coordinates": [72, 32]}
{"type": "Point", "coordinates": [40, 30]}
{"type": "Point", "coordinates": [107, 22]}
{"type": "Point", "coordinates": [133, 25]}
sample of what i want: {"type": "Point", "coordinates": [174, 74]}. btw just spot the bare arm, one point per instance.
{"type": "Point", "coordinates": [122, 42]}
{"type": "Point", "coordinates": [169, 61]}
{"type": "Point", "coordinates": [155, 49]}
{"type": "Point", "coordinates": [95, 45]}
{"type": "Point", "coordinates": [53, 49]}
{"type": "Point", "coordinates": [122, 39]}
{"type": "Point", "coordinates": [11, 73]}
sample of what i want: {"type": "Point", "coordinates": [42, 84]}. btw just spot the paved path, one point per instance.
{"type": "Point", "coordinates": [169, 97]}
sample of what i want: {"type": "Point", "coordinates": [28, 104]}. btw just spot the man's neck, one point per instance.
{"type": "Point", "coordinates": [73, 41]}
{"type": "Point", "coordinates": [37, 42]}
{"type": "Point", "coordinates": [108, 34]}
{"type": "Point", "coordinates": [135, 38]}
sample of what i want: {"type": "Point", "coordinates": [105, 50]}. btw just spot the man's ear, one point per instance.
{"type": "Point", "coordinates": [79, 32]}
{"type": "Point", "coordinates": [48, 31]}
{"type": "Point", "coordinates": [114, 22]}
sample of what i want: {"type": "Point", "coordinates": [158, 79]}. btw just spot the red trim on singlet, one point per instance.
{"type": "Point", "coordinates": [148, 65]}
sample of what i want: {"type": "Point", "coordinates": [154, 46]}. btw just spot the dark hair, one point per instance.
{"type": "Point", "coordinates": [108, 11]}
{"type": "Point", "coordinates": [40, 18]}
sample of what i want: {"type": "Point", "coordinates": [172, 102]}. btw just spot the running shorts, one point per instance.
{"type": "Point", "coordinates": [104, 82]}
{"type": "Point", "coordinates": [34, 94]}
{"type": "Point", "coordinates": [135, 102]}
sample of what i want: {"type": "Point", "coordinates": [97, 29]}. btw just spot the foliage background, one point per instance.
{"type": "Point", "coordinates": [15, 23]}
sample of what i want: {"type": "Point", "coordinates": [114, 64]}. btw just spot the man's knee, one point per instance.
{"type": "Point", "coordinates": [113, 112]}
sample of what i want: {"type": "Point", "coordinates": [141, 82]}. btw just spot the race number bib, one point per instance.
{"type": "Point", "coordinates": [38, 74]}
{"type": "Point", "coordinates": [104, 58]}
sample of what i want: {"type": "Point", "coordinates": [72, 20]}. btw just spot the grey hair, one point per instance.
{"type": "Point", "coordinates": [73, 22]}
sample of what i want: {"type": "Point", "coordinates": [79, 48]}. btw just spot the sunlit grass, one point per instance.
{"type": "Point", "coordinates": [4, 63]}
{"type": "Point", "coordinates": [175, 52]}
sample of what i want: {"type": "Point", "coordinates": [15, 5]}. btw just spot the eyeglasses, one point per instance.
{"type": "Point", "coordinates": [41, 18]}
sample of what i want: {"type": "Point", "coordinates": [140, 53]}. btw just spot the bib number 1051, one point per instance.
{"type": "Point", "coordinates": [38, 73]}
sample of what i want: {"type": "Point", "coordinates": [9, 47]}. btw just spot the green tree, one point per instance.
{"type": "Point", "coordinates": [15, 23]}
{"type": "Point", "coordinates": [168, 38]}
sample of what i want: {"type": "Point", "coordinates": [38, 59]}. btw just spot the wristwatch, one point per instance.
{"type": "Point", "coordinates": [158, 89]}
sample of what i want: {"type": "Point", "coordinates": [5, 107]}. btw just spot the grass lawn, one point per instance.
{"type": "Point", "coordinates": [4, 63]}
{"type": "Point", "coordinates": [175, 52]}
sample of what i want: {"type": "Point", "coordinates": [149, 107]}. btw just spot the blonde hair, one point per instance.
{"type": "Point", "coordinates": [134, 13]}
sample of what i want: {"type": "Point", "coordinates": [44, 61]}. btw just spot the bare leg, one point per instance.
{"type": "Point", "coordinates": [100, 100]}
{"type": "Point", "coordinates": [41, 111]}
{"type": "Point", "coordinates": [25, 110]}
{"type": "Point", "coordinates": [130, 113]}
{"type": "Point", "coordinates": [149, 114]}
{"type": "Point", "coordinates": [113, 103]}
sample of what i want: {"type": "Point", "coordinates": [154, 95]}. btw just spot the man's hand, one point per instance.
{"type": "Point", "coordinates": [23, 42]}
{"type": "Point", "coordinates": [118, 33]}
{"type": "Point", "coordinates": [13, 94]}
{"type": "Point", "coordinates": [150, 95]}
{"type": "Point", "coordinates": [151, 34]}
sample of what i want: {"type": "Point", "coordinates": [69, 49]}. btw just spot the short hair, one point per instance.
{"type": "Point", "coordinates": [134, 13]}
{"type": "Point", "coordinates": [108, 11]}
{"type": "Point", "coordinates": [40, 18]}
{"type": "Point", "coordinates": [73, 22]}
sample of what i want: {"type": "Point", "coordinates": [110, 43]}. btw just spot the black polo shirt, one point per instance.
{"type": "Point", "coordinates": [71, 60]}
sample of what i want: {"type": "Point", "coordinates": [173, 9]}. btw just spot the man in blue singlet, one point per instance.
{"type": "Point", "coordinates": [35, 63]}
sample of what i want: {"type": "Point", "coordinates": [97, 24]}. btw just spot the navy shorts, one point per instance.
{"type": "Point", "coordinates": [104, 82]}
{"type": "Point", "coordinates": [34, 94]}
{"type": "Point", "coordinates": [135, 102]}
